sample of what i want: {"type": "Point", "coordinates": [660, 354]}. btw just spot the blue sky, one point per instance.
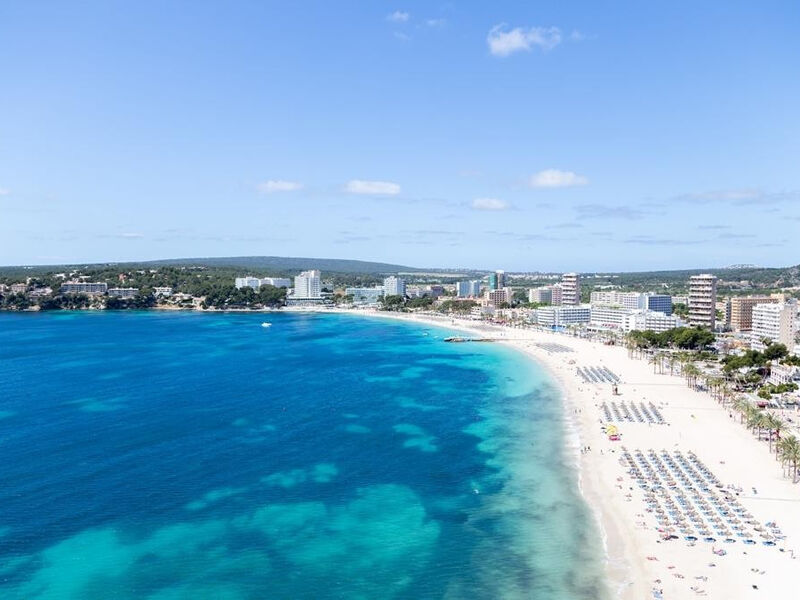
{"type": "Point", "coordinates": [516, 135]}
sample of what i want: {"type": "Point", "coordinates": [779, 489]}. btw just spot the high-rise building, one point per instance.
{"type": "Point", "coordinates": [773, 322]}
{"type": "Point", "coordinates": [702, 301]}
{"type": "Point", "coordinates": [468, 289]}
{"type": "Point", "coordinates": [308, 285]}
{"type": "Point", "coordinates": [557, 294]}
{"type": "Point", "coordinates": [497, 280]}
{"type": "Point", "coordinates": [570, 289]}
{"type": "Point", "coordinates": [742, 310]}
{"type": "Point", "coordinates": [394, 286]}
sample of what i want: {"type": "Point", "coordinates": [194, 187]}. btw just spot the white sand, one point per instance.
{"type": "Point", "coordinates": [696, 423]}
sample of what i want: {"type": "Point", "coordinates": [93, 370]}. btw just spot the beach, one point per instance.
{"type": "Point", "coordinates": [640, 564]}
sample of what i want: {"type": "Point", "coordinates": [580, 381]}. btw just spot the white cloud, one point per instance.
{"type": "Point", "coordinates": [278, 185]}
{"type": "Point", "coordinates": [398, 16]}
{"type": "Point", "coordinates": [360, 186]}
{"type": "Point", "coordinates": [503, 41]}
{"type": "Point", "coordinates": [4, 191]}
{"type": "Point", "coordinates": [434, 22]}
{"type": "Point", "coordinates": [490, 204]}
{"type": "Point", "coordinates": [553, 178]}
{"type": "Point", "coordinates": [131, 236]}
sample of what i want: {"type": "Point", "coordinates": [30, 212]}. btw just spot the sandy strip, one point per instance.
{"type": "Point", "coordinates": [695, 423]}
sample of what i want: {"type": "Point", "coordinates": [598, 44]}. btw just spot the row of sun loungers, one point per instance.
{"type": "Point", "coordinates": [552, 347]}
{"type": "Point", "coordinates": [686, 499]}
{"type": "Point", "coordinates": [597, 375]}
{"type": "Point", "coordinates": [633, 412]}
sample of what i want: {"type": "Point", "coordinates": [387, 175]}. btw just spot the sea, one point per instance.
{"type": "Point", "coordinates": [190, 456]}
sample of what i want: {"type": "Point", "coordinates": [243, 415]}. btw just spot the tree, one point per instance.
{"type": "Point", "coordinates": [789, 450]}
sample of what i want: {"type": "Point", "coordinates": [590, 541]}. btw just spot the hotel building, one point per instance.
{"type": "Point", "coordinates": [570, 289]}
{"type": "Point", "coordinates": [541, 295]}
{"type": "Point", "coordinates": [775, 322]}
{"type": "Point", "coordinates": [364, 296]}
{"type": "Point", "coordinates": [78, 287]}
{"type": "Point", "coordinates": [498, 297]}
{"type": "Point", "coordinates": [308, 285]}
{"type": "Point", "coordinates": [247, 281]}
{"type": "Point", "coordinates": [394, 286]}
{"type": "Point", "coordinates": [497, 280]}
{"type": "Point", "coordinates": [702, 301]}
{"type": "Point", "coordinates": [123, 292]}
{"type": "Point", "coordinates": [561, 316]}
{"type": "Point", "coordinates": [742, 310]}
{"type": "Point", "coordinates": [277, 282]}
{"type": "Point", "coordinates": [468, 289]}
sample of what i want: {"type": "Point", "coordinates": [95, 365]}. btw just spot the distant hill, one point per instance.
{"type": "Point", "coordinates": [290, 263]}
{"type": "Point", "coordinates": [245, 263]}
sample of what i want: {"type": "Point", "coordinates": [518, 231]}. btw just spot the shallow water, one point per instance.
{"type": "Point", "coordinates": [182, 455]}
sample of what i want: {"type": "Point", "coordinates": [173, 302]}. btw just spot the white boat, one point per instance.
{"type": "Point", "coordinates": [266, 324]}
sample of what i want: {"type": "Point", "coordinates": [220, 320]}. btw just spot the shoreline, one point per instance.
{"type": "Point", "coordinates": [638, 563]}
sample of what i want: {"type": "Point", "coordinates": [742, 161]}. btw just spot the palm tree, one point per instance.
{"type": "Point", "coordinates": [691, 372]}
{"type": "Point", "coordinates": [773, 423]}
{"type": "Point", "coordinates": [789, 448]}
{"type": "Point", "coordinates": [742, 406]}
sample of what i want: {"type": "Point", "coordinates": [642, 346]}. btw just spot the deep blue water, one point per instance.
{"type": "Point", "coordinates": [189, 456]}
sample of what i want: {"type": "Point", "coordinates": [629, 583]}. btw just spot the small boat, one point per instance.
{"type": "Point", "coordinates": [266, 324]}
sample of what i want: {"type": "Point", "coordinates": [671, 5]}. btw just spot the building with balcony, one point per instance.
{"type": "Point", "coordinates": [702, 301]}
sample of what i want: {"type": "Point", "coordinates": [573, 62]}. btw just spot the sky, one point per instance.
{"type": "Point", "coordinates": [526, 136]}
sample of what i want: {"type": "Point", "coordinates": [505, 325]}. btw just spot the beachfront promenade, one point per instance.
{"type": "Point", "coordinates": [691, 504]}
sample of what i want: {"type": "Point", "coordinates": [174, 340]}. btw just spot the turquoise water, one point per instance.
{"type": "Point", "coordinates": [202, 456]}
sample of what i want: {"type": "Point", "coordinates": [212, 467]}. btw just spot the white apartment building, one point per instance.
{"type": "Point", "coordinates": [557, 294]}
{"type": "Point", "coordinates": [123, 292]}
{"type": "Point", "coordinates": [607, 315]}
{"type": "Point", "coordinates": [81, 287]}
{"type": "Point", "coordinates": [561, 316]}
{"type": "Point", "coordinates": [364, 296]}
{"type": "Point", "coordinates": [19, 288]}
{"type": "Point", "coordinates": [394, 286]}
{"type": "Point", "coordinates": [277, 282]}
{"type": "Point", "coordinates": [776, 322]}
{"type": "Point", "coordinates": [702, 301]}
{"type": "Point", "coordinates": [570, 289]}
{"type": "Point", "coordinates": [627, 319]}
{"type": "Point", "coordinates": [653, 320]}
{"type": "Point", "coordinates": [308, 285]}
{"type": "Point", "coordinates": [162, 291]}
{"type": "Point", "coordinates": [779, 374]}
{"type": "Point", "coordinates": [247, 281]}
{"type": "Point", "coordinates": [541, 295]}
{"type": "Point", "coordinates": [634, 300]}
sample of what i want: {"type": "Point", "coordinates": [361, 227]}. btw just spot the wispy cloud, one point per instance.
{"type": "Point", "coordinates": [740, 197]}
{"type": "Point", "coordinates": [601, 211]}
{"type": "Point", "coordinates": [554, 178]}
{"type": "Point", "coordinates": [131, 235]}
{"type": "Point", "coordinates": [570, 225]}
{"type": "Point", "coordinates": [648, 240]}
{"type": "Point", "coordinates": [503, 41]}
{"type": "Point", "coordinates": [435, 22]}
{"type": "Point", "coordinates": [490, 204]}
{"type": "Point", "coordinates": [398, 16]}
{"type": "Point", "coordinates": [278, 185]}
{"type": "Point", "coordinates": [713, 227]}
{"type": "Point", "coordinates": [381, 188]}
{"type": "Point", "coordinates": [736, 236]}
{"type": "Point", "coordinates": [403, 37]}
